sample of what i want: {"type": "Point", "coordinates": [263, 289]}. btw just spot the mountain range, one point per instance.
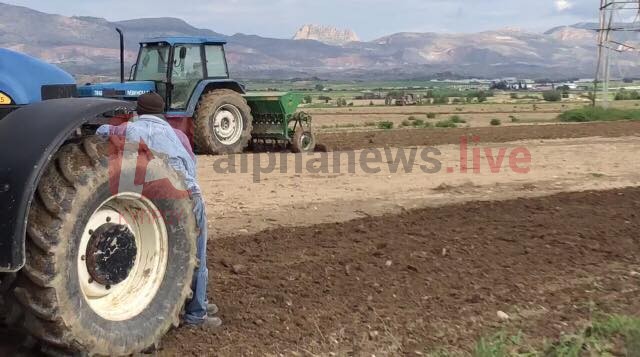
{"type": "Point", "coordinates": [89, 46]}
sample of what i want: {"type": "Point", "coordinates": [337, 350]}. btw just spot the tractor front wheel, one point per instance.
{"type": "Point", "coordinates": [223, 123]}
{"type": "Point", "coordinates": [109, 262]}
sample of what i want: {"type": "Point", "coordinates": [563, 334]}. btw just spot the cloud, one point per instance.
{"type": "Point", "coordinates": [562, 5]}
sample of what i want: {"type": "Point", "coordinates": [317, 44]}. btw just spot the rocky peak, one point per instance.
{"type": "Point", "coordinates": [326, 34]}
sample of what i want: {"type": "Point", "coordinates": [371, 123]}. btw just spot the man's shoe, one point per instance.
{"type": "Point", "coordinates": [212, 309]}
{"type": "Point", "coordinates": [211, 322]}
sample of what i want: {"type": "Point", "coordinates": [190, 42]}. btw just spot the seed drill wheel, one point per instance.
{"type": "Point", "coordinates": [303, 141]}
{"type": "Point", "coordinates": [109, 267]}
{"type": "Point", "coordinates": [223, 123]}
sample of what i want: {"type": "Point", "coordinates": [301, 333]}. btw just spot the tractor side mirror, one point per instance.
{"type": "Point", "coordinates": [183, 53]}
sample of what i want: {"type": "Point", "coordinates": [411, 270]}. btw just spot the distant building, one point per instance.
{"type": "Point", "coordinates": [512, 83]}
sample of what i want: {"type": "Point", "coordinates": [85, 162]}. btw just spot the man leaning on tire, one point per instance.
{"type": "Point", "coordinates": [151, 128]}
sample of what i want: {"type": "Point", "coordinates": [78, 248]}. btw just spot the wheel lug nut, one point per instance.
{"type": "Point", "coordinates": [90, 280]}
{"type": "Point", "coordinates": [83, 258]}
{"type": "Point", "coordinates": [91, 232]}
{"type": "Point", "coordinates": [108, 287]}
{"type": "Point", "coordinates": [108, 219]}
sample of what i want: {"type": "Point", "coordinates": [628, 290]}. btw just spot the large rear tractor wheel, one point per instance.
{"type": "Point", "coordinates": [223, 123]}
{"type": "Point", "coordinates": [109, 264]}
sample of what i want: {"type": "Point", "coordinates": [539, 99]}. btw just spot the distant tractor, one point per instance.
{"type": "Point", "coordinates": [191, 73]}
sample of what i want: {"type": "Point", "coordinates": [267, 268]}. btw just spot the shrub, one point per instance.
{"type": "Point", "coordinates": [342, 102]}
{"type": "Point", "coordinates": [624, 94]}
{"type": "Point", "coordinates": [446, 124]}
{"type": "Point", "coordinates": [496, 122]}
{"type": "Point", "coordinates": [588, 114]}
{"type": "Point", "coordinates": [514, 96]}
{"type": "Point", "coordinates": [371, 103]}
{"type": "Point", "coordinates": [513, 119]}
{"type": "Point", "coordinates": [385, 125]}
{"type": "Point", "coordinates": [308, 99]}
{"type": "Point", "coordinates": [431, 115]}
{"type": "Point", "coordinates": [552, 96]}
{"type": "Point", "coordinates": [457, 120]}
{"type": "Point", "coordinates": [418, 123]}
{"type": "Point", "coordinates": [369, 123]}
{"type": "Point", "coordinates": [412, 118]}
{"type": "Point", "coordinates": [405, 123]}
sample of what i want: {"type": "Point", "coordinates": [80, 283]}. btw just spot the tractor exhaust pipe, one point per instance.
{"type": "Point", "coordinates": [121, 55]}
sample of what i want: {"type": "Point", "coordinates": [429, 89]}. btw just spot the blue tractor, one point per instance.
{"type": "Point", "coordinates": [94, 260]}
{"type": "Point", "coordinates": [191, 73]}
{"type": "Point", "coordinates": [25, 80]}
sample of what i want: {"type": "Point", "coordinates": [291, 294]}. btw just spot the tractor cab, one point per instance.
{"type": "Point", "coordinates": [177, 65]}
{"type": "Point", "coordinates": [170, 66]}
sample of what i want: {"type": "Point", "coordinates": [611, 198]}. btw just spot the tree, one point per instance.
{"type": "Point", "coordinates": [319, 87]}
{"type": "Point", "coordinates": [552, 96]}
{"type": "Point", "coordinates": [308, 99]}
{"type": "Point", "coordinates": [324, 98]}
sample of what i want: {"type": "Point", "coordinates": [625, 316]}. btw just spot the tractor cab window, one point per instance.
{"type": "Point", "coordinates": [216, 63]}
{"type": "Point", "coordinates": [188, 71]}
{"type": "Point", "coordinates": [153, 63]}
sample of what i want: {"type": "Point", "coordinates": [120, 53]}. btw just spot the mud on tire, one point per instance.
{"type": "Point", "coordinates": [55, 309]}
{"type": "Point", "coordinates": [210, 135]}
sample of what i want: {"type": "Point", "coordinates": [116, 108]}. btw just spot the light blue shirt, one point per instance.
{"type": "Point", "coordinates": [160, 137]}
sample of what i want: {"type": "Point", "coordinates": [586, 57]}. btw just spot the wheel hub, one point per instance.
{"type": "Point", "coordinates": [305, 141]}
{"type": "Point", "coordinates": [227, 124]}
{"type": "Point", "coordinates": [111, 254]}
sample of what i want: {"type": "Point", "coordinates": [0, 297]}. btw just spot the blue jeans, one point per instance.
{"type": "Point", "coordinates": [196, 309]}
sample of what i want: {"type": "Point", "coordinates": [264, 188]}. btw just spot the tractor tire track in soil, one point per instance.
{"type": "Point", "coordinates": [424, 279]}
{"type": "Point", "coordinates": [355, 140]}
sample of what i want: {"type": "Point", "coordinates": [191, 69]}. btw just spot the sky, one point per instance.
{"type": "Point", "coordinates": [370, 19]}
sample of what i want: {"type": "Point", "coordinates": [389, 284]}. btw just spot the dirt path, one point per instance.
{"type": "Point", "coordinates": [409, 284]}
{"type": "Point", "coordinates": [238, 204]}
